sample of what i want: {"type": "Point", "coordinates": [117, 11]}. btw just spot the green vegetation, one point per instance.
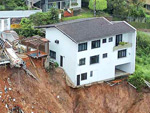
{"type": "Point", "coordinates": [86, 13]}
{"type": "Point", "coordinates": [27, 29]}
{"type": "Point", "coordinates": [100, 4]}
{"type": "Point", "coordinates": [123, 43]}
{"type": "Point", "coordinates": [142, 61]}
{"type": "Point", "coordinates": [139, 25]}
{"type": "Point", "coordinates": [125, 8]}
{"type": "Point", "coordinates": [13, 5]}
{"type": "Point", "coordinates": [44, 18]}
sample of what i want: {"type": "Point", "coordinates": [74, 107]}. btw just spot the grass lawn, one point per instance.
{"type": "Point", "coordinates": [86, 13]}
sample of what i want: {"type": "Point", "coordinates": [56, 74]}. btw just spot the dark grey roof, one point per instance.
{"type": "Point", "coordinates": [93, 28]}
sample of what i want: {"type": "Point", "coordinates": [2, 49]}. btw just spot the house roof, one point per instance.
{"type": "Point", "coordinates": [92, 28]}
{"type": "Point", "coordinates": [18, 14]}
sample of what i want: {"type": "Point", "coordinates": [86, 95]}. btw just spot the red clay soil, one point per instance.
{"type": "Point", "coordinates": [51, 94]}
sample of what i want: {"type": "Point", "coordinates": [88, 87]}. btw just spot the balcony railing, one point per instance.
{"type": "Point", "coordinates": [122, 45]}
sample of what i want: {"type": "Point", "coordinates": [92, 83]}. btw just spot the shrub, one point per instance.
{"type": "Point", "coordinates": [56, 64]}
{"type": "Point", "coordinates": [2, 8]}
{"type": "Point", "coordinates": [122, 43]}
{"type": "Point", "coordinates": [137, 80]}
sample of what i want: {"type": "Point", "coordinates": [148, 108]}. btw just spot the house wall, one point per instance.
{"type": "Point", "coordinates": [4, 24]}
{"type": "Point", "coordinates": [76, 7]}
{"type": "Point", "coordinates": [66, 48]}
{"type": "Point", "coordinates": [103, 70]}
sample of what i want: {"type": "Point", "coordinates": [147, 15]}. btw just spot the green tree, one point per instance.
{"type": "Point", "coordinates": [27, 29]}
{"type": "Point", "coordinates": [100, 4]}
{"type": "Point", "coordinates": [118, 7]}
{"type": "Point", "coordinates": [44, 18]}
{"type": "Point", "coordinates": [12, 4]}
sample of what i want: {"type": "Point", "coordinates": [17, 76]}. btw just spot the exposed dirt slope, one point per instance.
{"type": "Point", "coordinates": [51, 94]}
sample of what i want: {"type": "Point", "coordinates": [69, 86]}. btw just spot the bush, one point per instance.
{"type": "Point", "coordinates": [2, 8]}
{"type": "Point", "coordinates": [21, 8]}
{"type": "Point", "coordinates": [122, 43]}
{"type": "Point", "coordinates": [56, 64]}
{"type": "Point", "coordinates": [137, 80]}
{"type": "Point", "coordinates": [142, 62]}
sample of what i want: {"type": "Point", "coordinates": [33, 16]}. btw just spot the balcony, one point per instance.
{"type": "Point", "coordinates": [122, 45]}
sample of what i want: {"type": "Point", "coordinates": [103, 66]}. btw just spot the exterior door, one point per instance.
{"type": "Point", "coordinates": [61, 61]}
{"type": "Point", "coordinates": [78, 80]}
{"type": "Point", "coordinates": [118, 39]}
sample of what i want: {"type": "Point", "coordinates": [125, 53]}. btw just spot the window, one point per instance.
{"type": "Point", "coordinates": [104, 40]}
{"type": "Point", "coordinates": [118, 39]}
{"type": "Point", "coordinates": [105, 55]}
{"type": "Point", "coordinates": [91, 73]}
{"type": "Point", "coordinates": [83, 76]}
{"type": "Point", "coordinates": [82, 62]}
{"type": "Point", "coordinates": [122, 53]}
{"type": "Point", "coordinates": [57, 41]}
{"type": "Point", "coordinates": [95, 44]}
{"type": "Point", "coordinates": [82, 47]}
{"type": "Point", "coordinates": [53, 54]}
{"type": "Point", "coordinates": [94, 59]}
{"type": "Point", "coordinates": [110, 39]}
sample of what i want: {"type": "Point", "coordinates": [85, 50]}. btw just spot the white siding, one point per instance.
{"type": "Point", "coordinates": [103, 70]}
{"type": "Point", "coordinates": [78, 6]}
{"type": "Point", "coordinates": [66, 48]}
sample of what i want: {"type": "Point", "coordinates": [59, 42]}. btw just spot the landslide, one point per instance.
{"type": "Point", "coordinates": [51, 94]}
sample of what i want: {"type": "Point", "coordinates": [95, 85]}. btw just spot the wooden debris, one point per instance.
{"type": "Point", "coordinates": [147, 83]}
{"type": "Point", "coordinates": [132, 85]}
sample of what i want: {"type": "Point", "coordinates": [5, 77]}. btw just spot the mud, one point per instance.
{"type": "Point", "coordinates": [51, 94]}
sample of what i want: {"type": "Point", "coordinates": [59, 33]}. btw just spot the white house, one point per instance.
{"type": "Point", "coordinates": [94, 49]}
{"type": "Point", "coordinates": [6, 16]}
{"type": "Point", "coordinates": [45, 5]}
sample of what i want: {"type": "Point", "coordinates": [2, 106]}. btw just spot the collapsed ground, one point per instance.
{"type": "Point", "coordinates": [51, 94]}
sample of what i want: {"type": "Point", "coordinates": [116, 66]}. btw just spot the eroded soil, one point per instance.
{"type": "Point", "coordinates": [51, 94]}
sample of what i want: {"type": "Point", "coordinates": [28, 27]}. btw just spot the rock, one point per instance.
{"type": "Point", "coordinates": [58, 96]}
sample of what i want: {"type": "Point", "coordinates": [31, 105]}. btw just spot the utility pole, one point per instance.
{"type": "Point", "coordinates": [94, 8]}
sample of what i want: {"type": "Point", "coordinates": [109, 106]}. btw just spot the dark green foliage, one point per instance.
{"type": "Point", "coordinates": [27, 24]}
{"type": "Point", "coordinates": [123, 8]}
{"type": "Point", "coordinates": [56, 64]}
{"type": "Point", "coordinates": [13, 4]}
{"type": "Point", "coordinates": [44, 18]}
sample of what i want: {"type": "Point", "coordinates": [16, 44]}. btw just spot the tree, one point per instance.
{"type": "Point", "coordinates": [27, 29]}
{"type": "Point", "coordinates": [118, 7]}
{"type": "Point", "coordinates": [44, 18]}
{"type": "Point", "coordinates": [12, 4]}
{"type": "Point", "coordinates": [100, 4]}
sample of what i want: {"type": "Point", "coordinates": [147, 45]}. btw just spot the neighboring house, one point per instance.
{"type": "Point", "coordinates": [94, 49]}
{"type": "Point", "coordinates": [7, 16]}
{"type": "Point", "coordinates": [147, 4]}
{"type": "Point", "coordinates": [45, 5]}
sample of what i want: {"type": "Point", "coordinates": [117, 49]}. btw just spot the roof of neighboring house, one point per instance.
{"type": "Point", "coordinates": [92, 28]}
{"type": "Point", "coordinates": [18, 14]}
{"type": "Point", "coordinates": [35, 41]}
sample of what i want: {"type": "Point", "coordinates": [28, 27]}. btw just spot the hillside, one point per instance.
{"type": "Point", "coordinates": [51, 94]}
